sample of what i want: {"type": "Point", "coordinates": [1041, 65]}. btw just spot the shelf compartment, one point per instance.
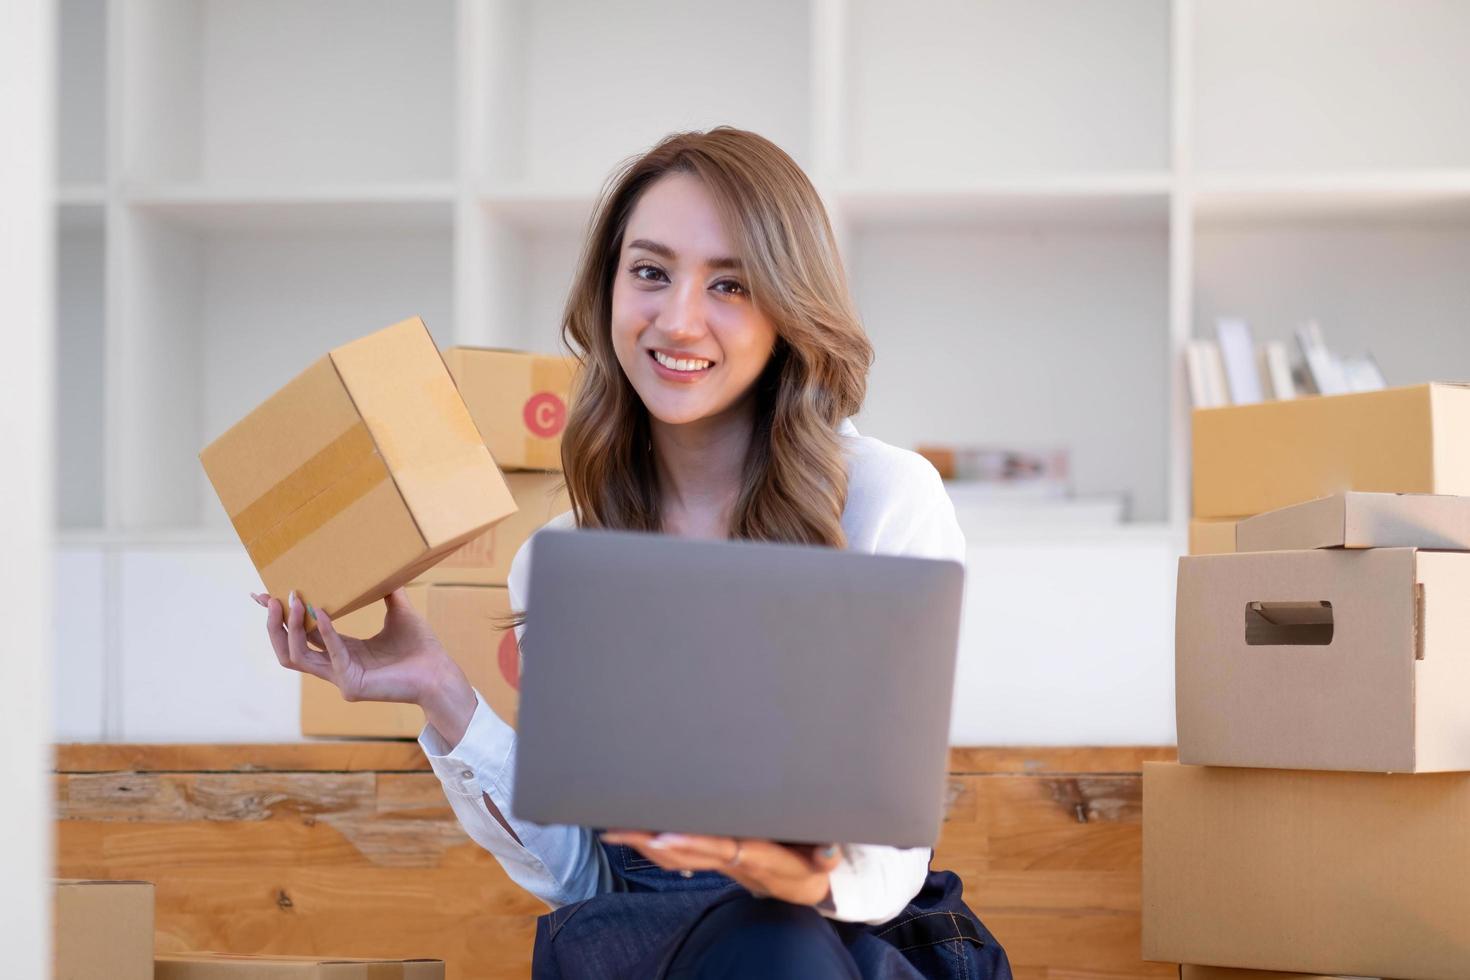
{"type": "Point", "coordinates": [1044, 338]}
{"type": "Point", "coordinates": [1396, 290]}
{"type": "Point", "coordinates": [81, 92]}
{"type": "Point", "coordinates": [334, 207]}
{"type": "Point", "coordinates": [668, 64]}
{"type": "Point", "coordinates": [963, 90]}
{"type": "Point", "coordinates": [312, 91]}
{"type": "Point", "coordinates": [81, 382]}
{"type": "Point", "coordinates": [1327, 85]}
{"type": "Point", "coordinates": [1416, 197]}
{"type": "Point", "coordinates": [1064, 199]}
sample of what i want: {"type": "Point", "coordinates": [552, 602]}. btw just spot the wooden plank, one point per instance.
{"type": "Point", "coordinates": [1066, 759]}
{"type": "Point", "coordinates": [400, 755]}
{"type": "Point", "coordinates": [366, 755]}
{"type": "Point", "coordinates": [301, 858]}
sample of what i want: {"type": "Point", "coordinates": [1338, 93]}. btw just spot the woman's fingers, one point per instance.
{"type": "Point", "coordinates": [276, 627]}
{"type": "Point", "coordinates": [336, 649]}
{"type": "Point", "coordinates": [298, 655]}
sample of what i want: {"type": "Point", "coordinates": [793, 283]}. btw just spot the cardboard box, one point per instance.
{"type": "Point", "coordinates": [1361, 520]}
{"type": "Point", "coordinates": [518, 400]}
{"type": "Point", "coordinates": [463, 617]}
{"type": "Point", "coordinates": [539, 496]}
{"type": "Point", "coordinates": [103, 930]}
{"type": "Point", "coordinates": [1192, 972]}
{"type": "Point", "coordinates": [1312, 872]}
{"type": "Point", "coordinates": [359, 474]}
{"type": "Point", "coordinates": [1324, 660]}
{"type": "Point", "coordinates": [240, 966]}
{"type": "Point", "coordinates": [1212, 536]}
{"type": "Point", "coordinates": [1253, 458]}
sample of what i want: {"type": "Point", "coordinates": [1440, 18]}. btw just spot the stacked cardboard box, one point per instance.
{"type": "Point", "coordinates": [104, 930]}
{"type": "Point", "coordinates": [1318, 820]}
{"type": "Point", "coordinates": [518, 402]}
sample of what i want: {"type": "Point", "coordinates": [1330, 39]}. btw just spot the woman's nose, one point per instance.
{"type": "Point", "coordinates": [685, 315]}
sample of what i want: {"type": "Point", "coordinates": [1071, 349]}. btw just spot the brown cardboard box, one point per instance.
{"type": "Point", "coordinates": [103, 930]}
{"type": "Point", "coordinates": [1312, 872]}
{"type": "Point", "coordinates": [240, 966]}
{"type": "Point", "coordinates": [1253, 458]}
{"type": "Point", "coordinates": [518, 400]}
{"type": "Point", "coordinates": [360, 473]}
{"type": "Point", "coordinates": [539, 496]}
{"type": "Point", "coordinates": [463, 618]}
{"type": "Point", "coordinates": [1325, 660]}
{"type": "Point", "coordinates": [1191, 972]}
{"type": "Point", "coordinates": [1212, 536]}
{"type": "Point", "coordinates": [1361, 520]}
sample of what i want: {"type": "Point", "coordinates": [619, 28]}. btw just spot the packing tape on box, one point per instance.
{"type": "Point", "coordinates": [337, 475]}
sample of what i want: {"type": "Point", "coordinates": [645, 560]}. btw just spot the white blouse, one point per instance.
{"type": "Point", "coordinates": [896, 504]}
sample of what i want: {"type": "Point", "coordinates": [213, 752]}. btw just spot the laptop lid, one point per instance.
{"type": "Point", "coordinates": [790, 692]}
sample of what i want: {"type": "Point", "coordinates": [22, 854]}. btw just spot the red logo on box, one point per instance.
{"type": "Point", "coordinates": [509, 656]}
{"type": "Point", "coordinates": [545, 414]}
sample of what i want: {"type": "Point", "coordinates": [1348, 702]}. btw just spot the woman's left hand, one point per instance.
{"type": "Point", "coordinates": [799, 874]}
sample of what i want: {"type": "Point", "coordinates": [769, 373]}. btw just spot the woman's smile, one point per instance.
{"type": "Point", "coordinates": [674, 366]}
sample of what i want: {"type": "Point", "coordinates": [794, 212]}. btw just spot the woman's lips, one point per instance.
{"type": "Point", "coordinates": [670, 374]}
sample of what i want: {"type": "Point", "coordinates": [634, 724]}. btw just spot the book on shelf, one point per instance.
{"type": "Point", "coordinates": [1233, 370]}
{"type": "Point", "coordinates": [1207, 385]}
{"type": "Point", "coordinates": [1238, 352]}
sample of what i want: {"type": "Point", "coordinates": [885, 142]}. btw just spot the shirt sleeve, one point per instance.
{"type": "Point", "coordinates": [557, 863]}
{"type": "Point", "coordinates": [874, 883]}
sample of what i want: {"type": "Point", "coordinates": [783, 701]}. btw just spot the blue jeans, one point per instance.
{"type": "Point", "coordinates": [761, 937]}
{"type": "Point", "coordinates": [655, 918]}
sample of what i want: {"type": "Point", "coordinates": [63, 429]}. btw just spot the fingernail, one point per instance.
{"type": "Point", "coordinates": [669, 840]}
{"type": "Point", "coordinates": [310, 611]}
{"type": "Point", "coordinates": [293, 598]}
{"type": "Point", "coordinates": [658, 844]}
{"type": "Point", "coordinates": [829, 851]}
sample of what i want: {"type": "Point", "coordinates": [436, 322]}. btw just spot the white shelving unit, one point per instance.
{"type": "Point", "coordinates": [1038, 203]}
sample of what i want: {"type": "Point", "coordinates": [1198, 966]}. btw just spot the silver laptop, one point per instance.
{"type": "Point", "coordinates": [795, 693]}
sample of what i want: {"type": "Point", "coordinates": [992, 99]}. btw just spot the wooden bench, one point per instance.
{"type": "Point", "coordinates": [350, 848]}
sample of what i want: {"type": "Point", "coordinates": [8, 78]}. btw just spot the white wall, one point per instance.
{"type": "Point", "coordinates": [27, 91]}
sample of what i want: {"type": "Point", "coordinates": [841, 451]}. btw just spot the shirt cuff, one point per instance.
{"type": "Point", "coordinates": [873, 884]}
{"type": "Point", "coordinates": [476, 764]}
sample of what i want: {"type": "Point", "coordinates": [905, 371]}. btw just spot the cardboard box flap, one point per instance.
{"type": "Point", "coordinates": [1361, 520]}
{"type": "Point", "coordinates": [404, 392]}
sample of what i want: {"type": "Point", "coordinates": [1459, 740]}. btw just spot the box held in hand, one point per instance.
{"type": "Point", "coordinates": [1324, 659]}
{"type": "Point", "coordinates": [360, 473]}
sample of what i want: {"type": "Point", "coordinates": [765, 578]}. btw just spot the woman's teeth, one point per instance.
{"type": "Point", "coordinates": [681, 364]}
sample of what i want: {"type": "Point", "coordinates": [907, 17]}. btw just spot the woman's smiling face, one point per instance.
{"type": "Point", "coordinates": [683, 325]}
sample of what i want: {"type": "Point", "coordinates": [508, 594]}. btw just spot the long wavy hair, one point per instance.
{"type": "Point", "coordinates": [794, 483]}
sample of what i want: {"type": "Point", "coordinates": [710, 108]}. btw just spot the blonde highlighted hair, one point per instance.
{"type": "Point", "coordinates": [794, 483]}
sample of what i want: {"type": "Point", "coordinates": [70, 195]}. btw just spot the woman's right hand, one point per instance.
{"type": "Point", "coordinates": [402, 662]}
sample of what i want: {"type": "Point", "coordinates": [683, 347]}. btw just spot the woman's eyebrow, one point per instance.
{"type": "Point", "coordinates": [660, 249]}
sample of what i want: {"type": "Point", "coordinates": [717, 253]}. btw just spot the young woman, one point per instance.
{"type": "Point", "coordinates": [721, 358]}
